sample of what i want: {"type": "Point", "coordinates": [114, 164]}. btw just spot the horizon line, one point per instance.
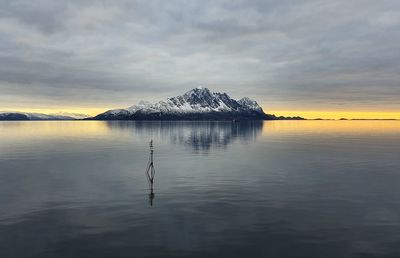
{"type": "Point", "coordinates": [307, 114]}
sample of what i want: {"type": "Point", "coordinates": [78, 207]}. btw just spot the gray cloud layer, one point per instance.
{"type": "Point", "coordinates": [283, 53]}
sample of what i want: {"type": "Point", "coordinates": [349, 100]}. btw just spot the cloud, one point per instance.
{"type": "Point", "coordinates": [300, 52]}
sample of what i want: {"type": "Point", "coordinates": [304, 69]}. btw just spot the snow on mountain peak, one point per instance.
{"type": "Point", "coordinates": [196, 101]}
{"type": "Point", "coordinates": [199, 91]}
{"type": "Point", "coordinates": [142, 104]}
{"type": "Point", "coordinates": [250, 103]}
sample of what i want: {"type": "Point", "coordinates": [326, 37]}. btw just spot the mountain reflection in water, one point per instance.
{"type": "Point", "coordinates": [201, 136]}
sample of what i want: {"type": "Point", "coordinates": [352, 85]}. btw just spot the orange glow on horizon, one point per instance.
{"type": "Point", "coordinates": [337, 114]}
{"type": "Point", "coordinates": [308, 114]}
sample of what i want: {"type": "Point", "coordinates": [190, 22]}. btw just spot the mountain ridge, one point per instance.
{"type": "Point", "coordinates": [27, 116]}
{"type": "Point", "coordinates": [197, 104]}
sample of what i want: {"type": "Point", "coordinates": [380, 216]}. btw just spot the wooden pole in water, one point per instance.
{"type": "Point", "coordinates": [150, 172]}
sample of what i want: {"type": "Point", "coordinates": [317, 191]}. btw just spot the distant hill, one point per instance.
{"type": "Point", "coordinates": [197, 104]}
{"type": "Point", "coordinates": [23, 116]}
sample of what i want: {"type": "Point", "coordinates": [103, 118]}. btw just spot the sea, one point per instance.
{"type": "Point", "coordinates": [219, 189]}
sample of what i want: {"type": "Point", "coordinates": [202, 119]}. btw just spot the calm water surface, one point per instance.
{"type": "Point", "coordinates": [222, 189]}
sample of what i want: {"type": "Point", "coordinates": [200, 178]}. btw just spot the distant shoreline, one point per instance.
{"type": "Point", "coordinates": [355, 119]}
{"type": "Point", "coordinates": [200, 120]}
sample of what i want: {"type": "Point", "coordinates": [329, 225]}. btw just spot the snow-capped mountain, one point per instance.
{"type": "Point", "coordinates": [70, 115]}
{"type": "Point", "coordinates": [197, 104]}
{"type": "Point", "coordinates": [15, 115]}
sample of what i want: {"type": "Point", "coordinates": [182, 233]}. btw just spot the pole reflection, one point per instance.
{"type": "Point", "coordinates": [150, 172]}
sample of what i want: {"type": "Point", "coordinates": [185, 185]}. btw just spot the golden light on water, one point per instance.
{"type": "Point", "coordinates": [95, 129]}
{"type": "Point", "coordinates": [52, 129]}
{"type": "Point", "coordinates": [331, 127]}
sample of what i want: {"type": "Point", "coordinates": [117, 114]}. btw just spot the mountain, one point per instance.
{"type": "Point", "coordinates": [197, 104]}
{"type": "Point", "coordinates": [70, 115]}
{"type": "Point", "coordinates": [23, 116]}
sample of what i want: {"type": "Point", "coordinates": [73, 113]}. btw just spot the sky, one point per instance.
{"type": "Point", "coordinates": [314, 58]}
